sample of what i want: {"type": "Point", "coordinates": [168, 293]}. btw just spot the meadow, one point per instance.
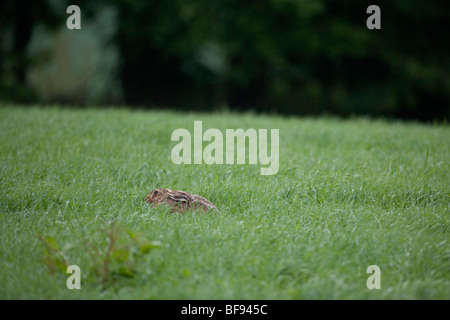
{"type": "Point", "coordinates": [348, 194]}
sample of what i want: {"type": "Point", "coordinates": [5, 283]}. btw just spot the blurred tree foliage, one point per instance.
{"type": "Point", "coordinates": [16, 25]}
{"type": "Point", "coordinates": [288, 56]}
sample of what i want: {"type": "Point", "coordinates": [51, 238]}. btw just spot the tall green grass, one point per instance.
{"type": "Point", "coordinates": [349, 194]}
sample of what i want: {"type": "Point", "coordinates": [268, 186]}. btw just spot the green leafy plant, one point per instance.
{"type": "Point", "coordinates": [53, 258]}
{"type": "Point", "coordinates": [118, 259]}
{"type": "Point", "coordinates": [120, 256]}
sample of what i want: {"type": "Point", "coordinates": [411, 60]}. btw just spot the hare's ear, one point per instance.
{"type": "Point", "coordinates": [180, 197]}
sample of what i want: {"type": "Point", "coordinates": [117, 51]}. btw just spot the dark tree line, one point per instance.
{"type": "Point", "coordinates": [288, 56]}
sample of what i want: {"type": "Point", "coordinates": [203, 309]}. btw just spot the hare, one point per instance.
{"type": "Point", "coordinates": [180, 201]}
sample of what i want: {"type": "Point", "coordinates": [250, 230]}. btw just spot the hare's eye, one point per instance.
{"type": "Point", "coordinates": [155, 192]}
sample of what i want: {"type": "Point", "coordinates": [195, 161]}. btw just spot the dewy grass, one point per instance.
{"type": "Point", "coordinates": [348, 195]}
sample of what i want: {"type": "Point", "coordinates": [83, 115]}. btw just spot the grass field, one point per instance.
{"type": "Point", "coordinates": [348, 194]}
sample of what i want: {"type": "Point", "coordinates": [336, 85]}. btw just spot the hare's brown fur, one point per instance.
{"type": "Point", "coordinates": [180, 201]}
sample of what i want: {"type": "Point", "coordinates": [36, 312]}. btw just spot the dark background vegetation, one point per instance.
{"type": "Point", "coordinates": [299, 57]}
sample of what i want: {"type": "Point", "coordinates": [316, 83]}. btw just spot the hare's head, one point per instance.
{"type": "Point", "coordinates": [157, 195]}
